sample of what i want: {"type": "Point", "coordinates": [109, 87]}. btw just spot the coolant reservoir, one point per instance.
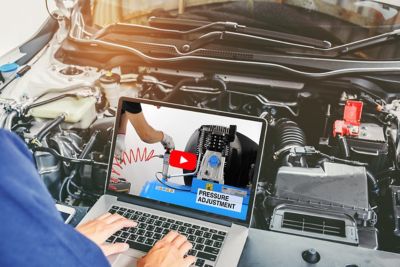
{"type": "Point", "coordinates": [78, 110]}
{"type": "Point", "coordinates": [110, 82]}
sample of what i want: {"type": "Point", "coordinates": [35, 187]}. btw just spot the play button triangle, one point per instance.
{"type": "Point", "coordinates": [183, 160]}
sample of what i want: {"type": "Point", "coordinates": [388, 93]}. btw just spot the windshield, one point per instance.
{"type": "Point", "coordinates": [24, 25]}
{"type": "Point", "coordinates": [336, 21]}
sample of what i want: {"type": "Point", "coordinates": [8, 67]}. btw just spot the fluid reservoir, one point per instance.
{"type": "Point", "coordinates": [7, 70]}
{"type": "Point", "coordinates": [111, 84]}
{"type": "Point", "coordinates": [80, 112]}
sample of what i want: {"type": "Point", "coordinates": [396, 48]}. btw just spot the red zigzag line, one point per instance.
{"type": "Point", "coordinates": [139, 156]}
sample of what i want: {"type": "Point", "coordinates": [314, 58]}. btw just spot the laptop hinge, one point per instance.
{"type": "Point", "coordinates": [175, 210]}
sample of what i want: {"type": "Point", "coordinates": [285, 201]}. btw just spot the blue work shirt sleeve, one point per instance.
{"type": "Point", "coordinates": [31, 229]}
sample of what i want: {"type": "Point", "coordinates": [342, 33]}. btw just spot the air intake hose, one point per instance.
{"type": "Point", "coordinates": [288, 135]}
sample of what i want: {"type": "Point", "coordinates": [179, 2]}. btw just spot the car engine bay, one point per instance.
{"type": "Point", "coordinates": [331, 161]}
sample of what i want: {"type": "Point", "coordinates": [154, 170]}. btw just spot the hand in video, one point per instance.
{"type": "Point", "coordinates": [168, 142]}
{"type": "Point", "coordinates": [169, 252]}
{"type": "Point", "coordinates": [100, 229]}
{"type": "Point", "coordinates": [119, 146]}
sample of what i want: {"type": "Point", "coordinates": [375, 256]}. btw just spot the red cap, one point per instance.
{"type": "Point", "coordinates": [350, 124]}
{"type": "Point", "coordinates": [352, 112]}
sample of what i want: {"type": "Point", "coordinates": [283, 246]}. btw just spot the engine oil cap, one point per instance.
{"type": "Point", "coordinates": [311, 256]}
{"type": "Point", "coordinates": [110, 78]}
{"type": "Point", "coordinates": [10, 67]}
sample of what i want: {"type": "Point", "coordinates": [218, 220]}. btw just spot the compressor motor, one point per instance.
{"type": "Point", "coordinates": [225, 156]}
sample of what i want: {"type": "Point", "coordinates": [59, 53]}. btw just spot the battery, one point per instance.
{"type": "Point", "coordinates": [370, 146]}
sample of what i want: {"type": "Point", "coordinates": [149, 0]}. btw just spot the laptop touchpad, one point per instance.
{"type": "Point", "coordinates": [125, 261]}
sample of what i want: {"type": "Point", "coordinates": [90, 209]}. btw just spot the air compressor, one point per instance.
{"type": "Point", "coordinates": [219, 182]}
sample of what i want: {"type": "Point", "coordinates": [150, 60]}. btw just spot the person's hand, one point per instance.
{"type": "Point", "coordinates": [100, 229]}
{"type": "Point", "coordinates": [119, 146]}
{"type": "Point", "coordinates": [168, 142]}
{"type": "Point", "coordinates": [169, 252]}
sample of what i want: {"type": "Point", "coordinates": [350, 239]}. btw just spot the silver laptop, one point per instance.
{"type": "Point", "coordinates": [204, 188]}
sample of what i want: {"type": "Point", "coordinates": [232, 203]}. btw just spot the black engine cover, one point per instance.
{"type": "Point", "coordinates": [333, 184]}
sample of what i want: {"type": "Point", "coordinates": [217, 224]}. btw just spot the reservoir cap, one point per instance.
{"type": "Point", "coordinates": [11, 67]}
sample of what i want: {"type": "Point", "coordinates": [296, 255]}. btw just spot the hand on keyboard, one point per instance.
{"type": "Point", "coordinates": [100, 229]}
{"type": "Point", "coordinates": [169, 252]}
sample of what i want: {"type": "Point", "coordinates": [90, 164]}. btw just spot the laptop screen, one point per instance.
{"type": "Point", "coordinates": [197, 159]}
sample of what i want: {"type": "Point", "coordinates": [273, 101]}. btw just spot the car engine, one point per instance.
{"type": "Point", "coordinates": [331, 162]}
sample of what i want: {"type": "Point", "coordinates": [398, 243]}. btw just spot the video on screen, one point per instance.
{"type": "Point", "coordinates": [191, 159]}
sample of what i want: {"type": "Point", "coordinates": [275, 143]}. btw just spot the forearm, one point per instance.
{"type": "Point", "coordinates": [151, 136]}
{"type": "Point", "coordinates": [146, 133]}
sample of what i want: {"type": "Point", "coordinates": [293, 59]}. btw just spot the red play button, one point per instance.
{"type": "Point", "coordinates": [183, 160]}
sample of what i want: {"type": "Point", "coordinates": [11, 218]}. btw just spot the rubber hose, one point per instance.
{"type": "Point", "coordinates": [49, 126]}
{"type": "Point", "coordinates": [9, 122]}
{"type": "Point", "coordinates": [287, 134]}
{"type": "Point", "coordinates": [177, 87]}
{"type": "Point", "coordinates": [3, 119]}
{"type": "Point", "coordinates": [195, 81]}
{"type": "Point", "coordinates": [373, 182]}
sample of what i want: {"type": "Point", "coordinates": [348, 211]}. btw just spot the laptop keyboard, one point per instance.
{"type": "Point", "coordinates": [207, 242]}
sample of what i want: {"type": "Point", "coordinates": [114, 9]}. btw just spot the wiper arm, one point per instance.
{"type": "Point", "coordinates": [324, 47]}
{"type": "Point", "coordinates": [364, 43]}
{"type": "Point", "coordinates": [227, 28]}
{"type": "Point", "coordinates": [257, 40]}
{"type": "Point", "coordinates": [234, 32]}
{"type": "Point", "coordinates": [235, 27]}
{"type": "Point", "coordinates": [234, 38]}
{"type": "Point", "coordinates": [215, 31]}
{"type": "Point", "coordinates": [126, 28]}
